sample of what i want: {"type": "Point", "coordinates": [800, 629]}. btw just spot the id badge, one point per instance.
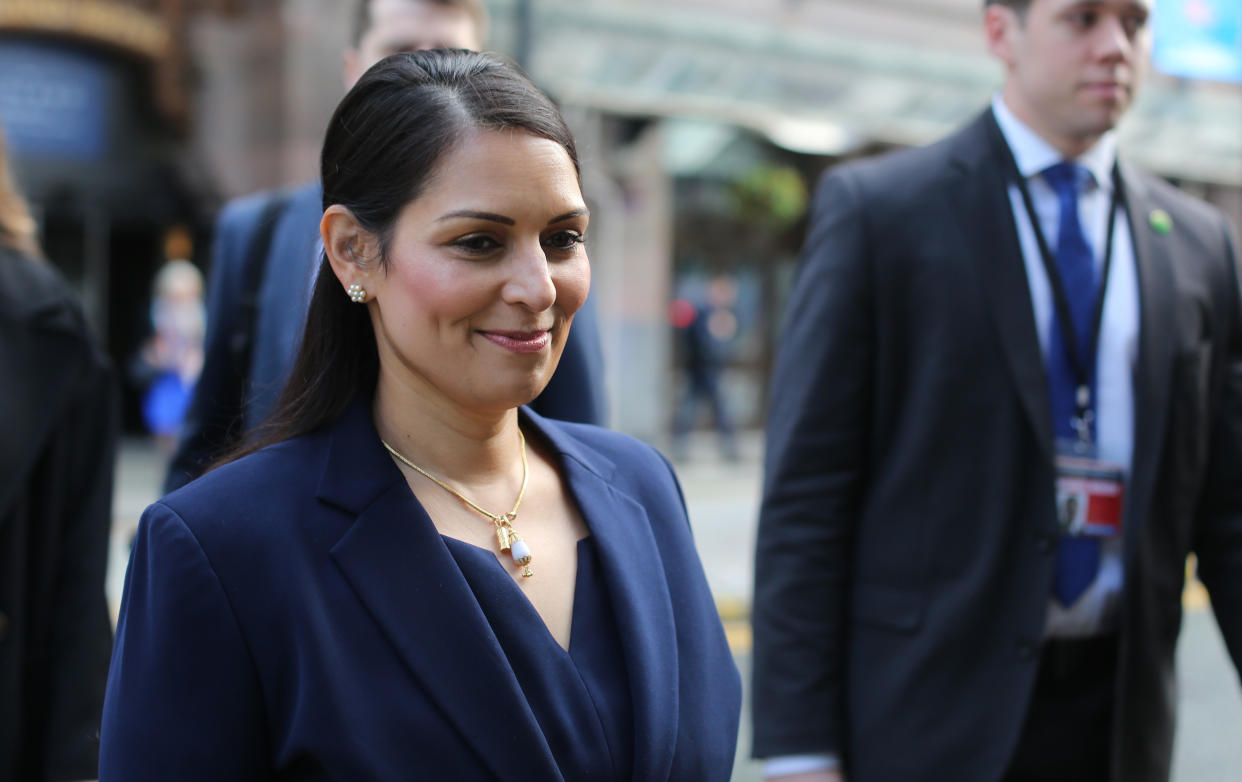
{"type": "Point", "coordinates": [1089, 493]}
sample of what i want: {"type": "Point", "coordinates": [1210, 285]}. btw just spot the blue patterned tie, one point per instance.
{"type": "Point", "coordinates": [1078, 558]}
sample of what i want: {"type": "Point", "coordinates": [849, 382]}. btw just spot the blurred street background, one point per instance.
{"type": "Point", "coordinates": [703, 125]}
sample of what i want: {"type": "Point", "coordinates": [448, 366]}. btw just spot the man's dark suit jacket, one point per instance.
{"type": "Point", "coordinates": [58, 428]}
{"type": "Point", "coordinates": [907, 536]}
{"type": "Point", "coordinates": [296, 615]}
{"type": "Point", "coordinates": [223, 394]}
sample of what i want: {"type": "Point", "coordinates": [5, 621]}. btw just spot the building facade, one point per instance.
{"type": "Point", "coordinates": [688, 113]}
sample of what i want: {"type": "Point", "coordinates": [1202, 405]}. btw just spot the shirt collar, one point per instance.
{"type": "Point", "coordinates": [1033, 154]}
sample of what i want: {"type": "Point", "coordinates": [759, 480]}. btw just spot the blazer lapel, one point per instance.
{"type": "Point", "coordinates": [1154, 372]}
{"type": "Point", "coordinates": [637, 586]}
{"type": "Point", "coordinates": [403, 573]}
{"type": "Point", "coordinates": [982, 206]}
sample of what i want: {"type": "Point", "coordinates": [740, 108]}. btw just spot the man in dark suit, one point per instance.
{"type": "Point", "coordinates": [255, 311]}
{"type": "Point", "coordinates": [980, 327]}
{"type": "Point", "coordinates": [58, 419]}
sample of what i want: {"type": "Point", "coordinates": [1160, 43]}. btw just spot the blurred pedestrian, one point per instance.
{"type": "Point", "coordinates": [352, 599]}
{"type": "Point", "coordinates": [705, 328]}
{"type": "Point", "coordinates": [169, 361]}
{"type": "Point", "coordinates": [978, 328]}
{"type": "Point", "coordinates": [58, 416]}
{"type": "Point", "coordinates": [265, 257]}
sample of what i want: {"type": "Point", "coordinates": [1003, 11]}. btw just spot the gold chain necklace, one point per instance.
{"type": "Point", "coordinates": [506, 536]}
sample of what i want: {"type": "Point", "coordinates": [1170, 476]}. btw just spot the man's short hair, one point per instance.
{"type": "Point", "coordinates": [473, 8]}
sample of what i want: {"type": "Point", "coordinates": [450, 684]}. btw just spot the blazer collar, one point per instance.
{"type": "Point", "coordinates": [979, 193]}
{"type": "Point", "coordinates": [402, 571]}
{"type": "Point", "coordinates": [637, 585]}
{"type": "Point", "coordinates": [1033, 153]}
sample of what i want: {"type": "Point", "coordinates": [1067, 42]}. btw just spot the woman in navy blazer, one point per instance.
{"type": "Point", "coordinates": [349, 600]}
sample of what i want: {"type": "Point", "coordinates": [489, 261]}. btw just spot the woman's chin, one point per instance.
{"type": "Point", "coordinates": [507, 396]}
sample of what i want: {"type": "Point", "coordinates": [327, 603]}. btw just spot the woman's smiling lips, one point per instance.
{"type": "Point", "coordinates": [524, 342]}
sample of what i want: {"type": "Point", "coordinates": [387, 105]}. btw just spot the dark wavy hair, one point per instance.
{"type": "Point", "coordinates": [382, 146]}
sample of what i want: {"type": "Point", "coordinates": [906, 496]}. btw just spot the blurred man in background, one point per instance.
{"type": "Point", "coordinates": [979, 327]}
{"type": "Point", "coordinates": [267, 255]}
{"type": "Point", "coordinates": [704, 328]}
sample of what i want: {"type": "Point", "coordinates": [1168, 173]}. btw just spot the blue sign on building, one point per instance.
{"type": "Point", "coordinates": [53, 101]}
{"type": "Point", "coordinates": [1199, 39]}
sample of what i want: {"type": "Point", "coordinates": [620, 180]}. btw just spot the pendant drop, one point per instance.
{"type": "Point", "coordinates": [503, 537]}
{"type": "Point", "coordinates": [521, 554]}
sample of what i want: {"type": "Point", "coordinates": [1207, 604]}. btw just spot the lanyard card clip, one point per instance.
{"type": "Point", "coordinates": [1082, 425]}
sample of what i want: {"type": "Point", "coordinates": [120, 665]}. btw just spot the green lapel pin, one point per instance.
{"type": "Point", "coordinates": [1160, 221]}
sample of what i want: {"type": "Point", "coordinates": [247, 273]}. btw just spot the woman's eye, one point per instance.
{"type": "Point", "coordinates": [478, 243]}
{"type": "Point", "coordinates": [564, 240]}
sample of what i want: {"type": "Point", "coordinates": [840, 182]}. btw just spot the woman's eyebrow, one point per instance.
{"type": "Point", "coordinates": [570, 215]}
{"type": "Point", "coordinates": [493, 217]}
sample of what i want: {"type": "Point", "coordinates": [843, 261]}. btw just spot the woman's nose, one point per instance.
{"type": "Point", "coordinates": [530, 280]}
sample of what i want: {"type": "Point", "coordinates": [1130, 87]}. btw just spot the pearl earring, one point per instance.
{"type": "Point", "coordinates": [357, 293]}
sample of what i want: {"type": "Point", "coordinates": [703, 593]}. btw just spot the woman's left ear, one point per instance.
{"type": "Point", "coordinates": [352, 251]}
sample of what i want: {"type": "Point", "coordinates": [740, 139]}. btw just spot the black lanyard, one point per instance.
{"type": "Point", "coordinates": [1080, 365]}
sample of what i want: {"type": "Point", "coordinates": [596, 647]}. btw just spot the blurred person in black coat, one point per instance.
{"type": "Point", "coordinates": [58, 419]}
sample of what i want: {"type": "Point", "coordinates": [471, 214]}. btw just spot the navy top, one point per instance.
{"type": "Point", "coordinates": [580, 698]}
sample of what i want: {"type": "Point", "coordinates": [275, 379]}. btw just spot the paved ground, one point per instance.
{"type": "Point", "coordinates": [723, 498]}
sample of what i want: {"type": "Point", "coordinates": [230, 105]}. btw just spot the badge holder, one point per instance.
{"type": "Point", "coordinates": [1089, 490]}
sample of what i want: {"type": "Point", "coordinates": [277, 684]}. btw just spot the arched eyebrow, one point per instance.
{"type": "Point", "coordinates": [470, 213]}
{"type": "Point", "coordinates": [583, 212]}
{"type": "Point", "coordinates": [495, 218]}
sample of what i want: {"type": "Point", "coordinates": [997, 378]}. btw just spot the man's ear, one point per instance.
{"type": "Point", "coordinates": [353, 251]}
{"type": "Point", "coordinates": [1001, 25]}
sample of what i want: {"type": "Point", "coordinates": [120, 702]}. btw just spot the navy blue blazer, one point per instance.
{"type": "Point", "coordinates": [296, 615]}
{"type": "Point", "coordinates": [223, 393]}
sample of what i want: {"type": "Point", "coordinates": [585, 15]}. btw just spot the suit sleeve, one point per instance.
{"type": "Point", "coordinates": [814, 478]}
{"type": "Point", "coordinates": [81, 628]}
{"type": "Point", "coordinates": [1219, 540]}
{"type": "Point", "coordinates": [218, 398]}
{"type": "Point", "coordinates": [183, 698]}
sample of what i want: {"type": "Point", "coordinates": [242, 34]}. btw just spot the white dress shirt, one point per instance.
{"type": "Point", "coordinates": [1096, 610]}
